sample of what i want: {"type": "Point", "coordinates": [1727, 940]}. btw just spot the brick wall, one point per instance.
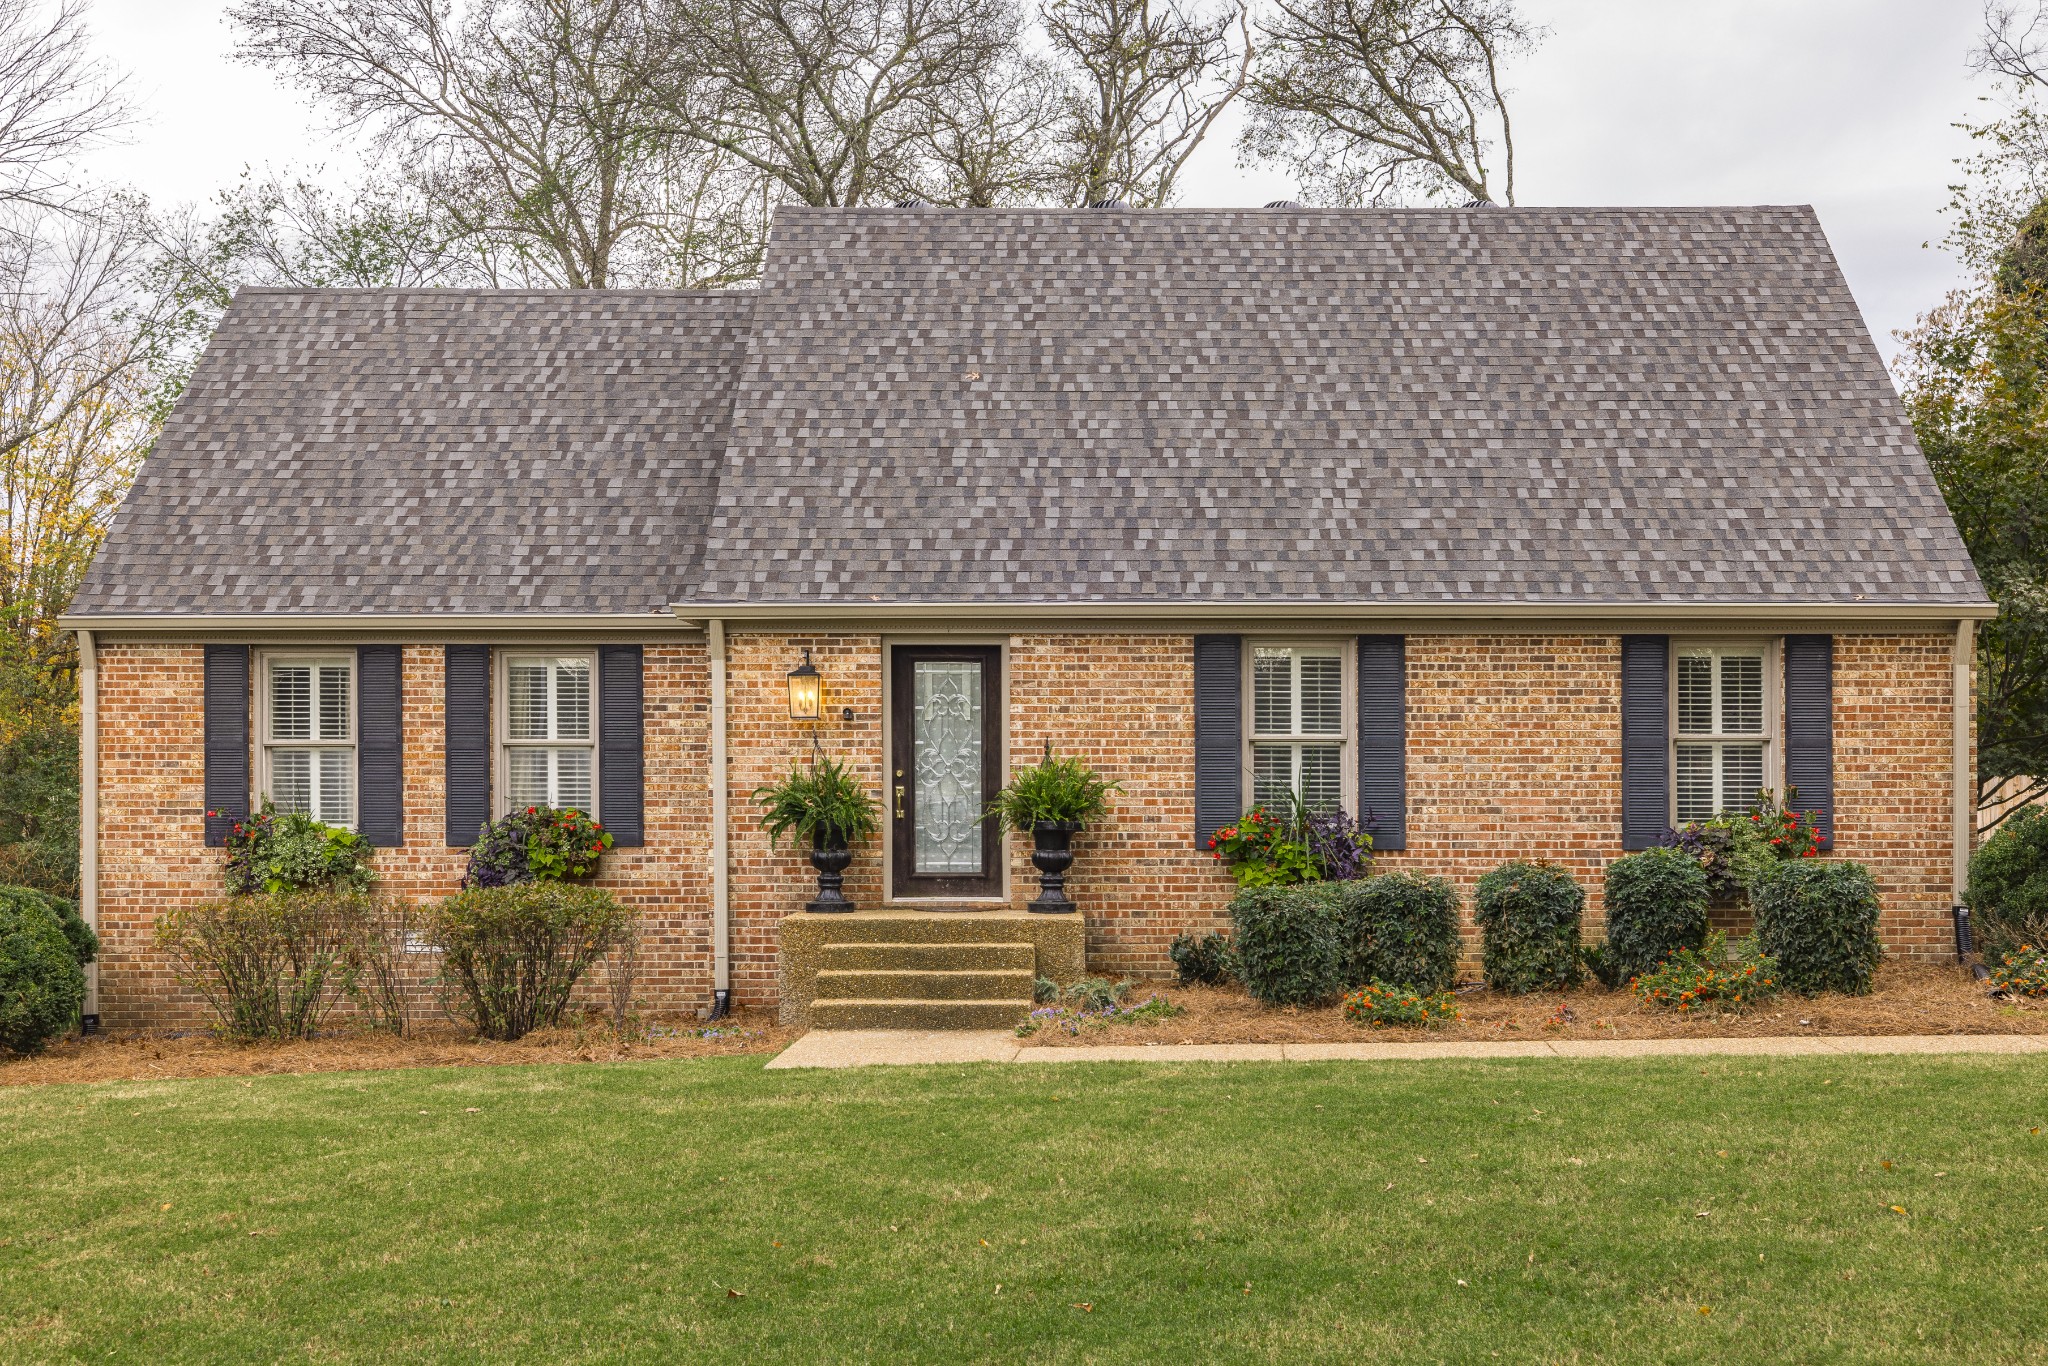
{"type": "Point", "coordinates": [1514, 750]}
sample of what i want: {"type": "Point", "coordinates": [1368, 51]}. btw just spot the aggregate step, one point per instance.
{"type": "Point", "coordinates": [927, 1014]}
{"type": "Point", "coordinates": [928, 957]}
{"type": "Point", "coordinates": [920, 984]}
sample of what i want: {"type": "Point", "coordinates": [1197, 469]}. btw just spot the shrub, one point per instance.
{"type": "Point", "coordinates": [42, 984]}
{"type": "Point", "coordinates": [85, 945]}
{"type": "Point", "coordinates": [539, 844]}
{"type": "Point", "coordinates": [1206, 961]}
{"type": "Point", "coordinates": [1379, 1004]}
{"type": "Point", "coordinates": [1708, 978]}
{"type": "Point", "coordinates": [1290, 944]}
{"type": "Point", "coordinates": [1529, 916]}
{"type": "Point", "coordinates": [386, 943]}
{"type": "Point", "coordinates": [269, 967]}
{"type": "Point", "coordinates": [284, 851]}
{"type": "Point", "coordinates": [1401, 928]}
{"type": "Point", "coordinates": [2023, 972]}
{"type": "Point", "coordinates": [1656, 905]}
{"type": "Point", "coordinates": [511, 955]}
{"type": "Point", "coordinates": [1819, 920]}
{"type": "Point", "coordinates": [1055, 790]}
{"type": "Point", "coordinates": [2008, 893]}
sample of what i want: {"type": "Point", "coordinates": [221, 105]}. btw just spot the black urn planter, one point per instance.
{"type": "Point", "coordinates": [830, 860]}
{"type": "Point", "coordinates": [1052, 857]}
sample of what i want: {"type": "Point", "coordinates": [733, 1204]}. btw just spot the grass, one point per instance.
{"type": "Point", "coordinates": [1714, 1209]}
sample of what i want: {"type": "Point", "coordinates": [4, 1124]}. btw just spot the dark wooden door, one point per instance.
{"type": "Point", "coordinates": [945, 766]}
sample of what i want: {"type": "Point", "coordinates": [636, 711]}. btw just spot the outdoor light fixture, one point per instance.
{"type": "Point", "coordinates": [806, 692]}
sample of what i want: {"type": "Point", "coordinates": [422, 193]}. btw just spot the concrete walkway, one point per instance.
{"type": "Point", "coordinates": [896, 1047]}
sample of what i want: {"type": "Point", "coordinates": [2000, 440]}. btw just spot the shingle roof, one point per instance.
{"type": "Point", "coordinates": [1526, 406]}
{"type": "Point", "coordinates": [1523, 405]}
{"type": "Point", "coordinates": [373, 451]}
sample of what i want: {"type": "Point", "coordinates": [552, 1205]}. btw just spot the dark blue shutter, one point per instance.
{"type": "Point", "coordinates": [227, 739]}
{"type": "Point", "coordinates": [1219, 734]}
{"type": "Point", "coordinates": [1645, 740]}
{"type": "Point", "coordinates": [1383, 739]}
{"type": "Point", "coordinates": [621, 743]}
{"type": "Point", "coordinates": [1810, 727]}
{"type": "Point", "coordinates": [380, 747]}
{"type": "Point", "coordinates": [466, 712]}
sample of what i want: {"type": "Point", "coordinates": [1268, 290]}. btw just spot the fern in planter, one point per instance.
{"type": "Point", "coordinates": [824, 806]}
{"type": "Point", "coordinates": [1054, 791]}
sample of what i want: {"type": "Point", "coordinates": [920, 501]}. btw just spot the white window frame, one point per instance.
{"type": "Point", "coordinates": [1345, 738]}
{"type": "Point", "coordinates": [501, 708]}
{"type": "Point", "coordinates": [265, 660]}
{"type": "Point", "coordinates": [1774, 669]}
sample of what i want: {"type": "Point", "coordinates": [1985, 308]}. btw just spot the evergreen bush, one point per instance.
{"type": "Point", "coordinates": [2008, 892]}
{"type": "Point", "coordinates": [1656, 905]}
{"type": "Point", "coordinates": [1401, 929]}
{"type": "Point", "coordinates": [1819, 920]}
{"type": "Point", "coordinates": [42, 983]}
{"type": "Point", "coordinates": [1207, 960]}
{"type": "Point", "coordinates": [85, 945]}
{"type": "Point", "coordinates": [1529, 916]}
{"type": "Point", "coordinates": [1290, 944]}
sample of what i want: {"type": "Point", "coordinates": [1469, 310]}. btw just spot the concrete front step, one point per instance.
{"type": "Point", "coordinates": [915, 984]}
{"type": "Point", "coordinates": [913, 1014]}
{"type": "Point", "coordinates": [928, 957]}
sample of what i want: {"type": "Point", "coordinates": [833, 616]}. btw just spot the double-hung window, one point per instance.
{"type": "Point", "coordinates": [1722, 730]}
{"type": "Point", "coordinates": [309, 741]}
{"type": "Point", "coordinates": [550, 744]}
{"type": "Point", "coordinates": [1298, 730]}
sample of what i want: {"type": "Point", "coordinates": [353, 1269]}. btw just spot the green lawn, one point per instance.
{"type": "Point", "coordinates": [1540, 1210]}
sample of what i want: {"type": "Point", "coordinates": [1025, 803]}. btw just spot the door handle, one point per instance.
{"type": "Point", "coordinates": [899, 801]}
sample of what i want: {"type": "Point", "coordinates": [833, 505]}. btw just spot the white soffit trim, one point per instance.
{"type": "Point", "coordinates": [425, 625]}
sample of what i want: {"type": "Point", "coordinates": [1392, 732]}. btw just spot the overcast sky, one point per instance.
{"type": "Point", "coordinates": [1847, 105]}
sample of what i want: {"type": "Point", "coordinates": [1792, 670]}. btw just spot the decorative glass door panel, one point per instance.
{"type": "Point", "coordinates": [945, 766]}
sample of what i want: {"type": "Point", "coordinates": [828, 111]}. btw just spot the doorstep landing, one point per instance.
{"type": "Point", "coordinates": [899, 1047]}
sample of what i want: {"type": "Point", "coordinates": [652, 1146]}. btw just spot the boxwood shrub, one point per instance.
{"type": "Point", "coordinates": [1402, 930]}
{"type": "Point", "coordinates": [1529, 916]}
{"type": "Point", "coordinates": [85, 945]}
{"type": "Point", "coordinates": [2008, 894]}
{"type": "Point", "coordinates": [1656, 905]}
{"type": "Point", "coordinates": [42, 983]}
{"type": "Point", "coordinates": [1290, 943]}
{"type": "Point", "coordinates": [1819, 920]}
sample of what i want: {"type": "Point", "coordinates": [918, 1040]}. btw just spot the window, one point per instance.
{"type": "Point", "coordinates": [308, 730]}
{"type": "Point", "coordinates": [550, 739]}
{"type": "Point", "coordinates": [1723, 728]}
{"type": "Point", "coordinates": [1298, 729]}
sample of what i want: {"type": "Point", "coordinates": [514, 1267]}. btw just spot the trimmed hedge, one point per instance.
{"type": "Point", "coordinates": [1402, 930]}
{"type": "Point", "coordinates": [269, 967]}
{"type": "Point", "coordinates": [1656, 905]}
{"type": "Point", "coordinates": [85, 945]}
{"type": "Point", "coordinates": [1290, 943]}
{"type": "Point", "coordinates": [1529, 915]}
{"type": "Point", "coordinates": [2008, 893]}
{"type": "Point", "coordinates": [512, 955]}
{"type": "Point", "coordinates": [42, 984]}
{"type": "Point", "coordinates": [1819, 920]}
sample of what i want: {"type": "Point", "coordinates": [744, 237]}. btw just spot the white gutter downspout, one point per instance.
{"type": "Point", "coordinates": [89, 810]}
{"type": "Point", "coordinates": [721, 891]}
{"type": "Point", "coordinates": [1965, 794]}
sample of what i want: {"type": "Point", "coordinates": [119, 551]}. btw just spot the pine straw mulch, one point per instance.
{"type": "Point", "coordinates": [156, 1055]}
{"type": "Point", "coordinates": [1910, 998]}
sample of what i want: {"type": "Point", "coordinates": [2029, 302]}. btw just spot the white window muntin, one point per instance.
{"type": "Point", "coordinates": [547, 729]}
{"type": "Point", "coordinates": [1298, 704]}
{"type": "Point", "coordinates": [305, 724]}
{"type": "Point", "coordinates": [1724, 721]}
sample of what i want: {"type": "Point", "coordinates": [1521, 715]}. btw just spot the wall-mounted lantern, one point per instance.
{"type": "Point", "coordinates": [806, 692]}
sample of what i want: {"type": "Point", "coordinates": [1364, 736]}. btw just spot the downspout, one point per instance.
{"type": "Point", "coordinates": [89, 813]}
{"type": "Point", "coordinates": [1964, 713]}
{"type": "Point", "coordinates": [721, 889]}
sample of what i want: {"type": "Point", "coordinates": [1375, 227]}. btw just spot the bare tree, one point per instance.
{"type": "Point", "coordinates": [55, 100]}
{"type": "Point", "coordinates": [540, 127]}
{"type": "Point", "coordinates": [834, 100]}
{"type": "Point", "coordinates": [994, 139]}
{"type": "Point", "coordinates": [1379, 101]}
{"type": "Point", "coordinates": [1147, 81]}
{"type": "Point", "coordinates": [2015, 43]}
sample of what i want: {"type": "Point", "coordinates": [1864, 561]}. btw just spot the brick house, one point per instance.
{"type": "Point", "coordinates": [1529, 531]}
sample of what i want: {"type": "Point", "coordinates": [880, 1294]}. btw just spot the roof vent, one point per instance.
{"type": "Point", "coordinates": [1481, 204]}
{"type": "Point", "coordinates": [913, 204]}
{"type": "Point", "coordinates": [1109, 204]}
{"type": "Point", "coordinates": [1283, 204]}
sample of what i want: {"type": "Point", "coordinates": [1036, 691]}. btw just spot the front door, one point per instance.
{"type": "Point", "coordinates": [944, 767]}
